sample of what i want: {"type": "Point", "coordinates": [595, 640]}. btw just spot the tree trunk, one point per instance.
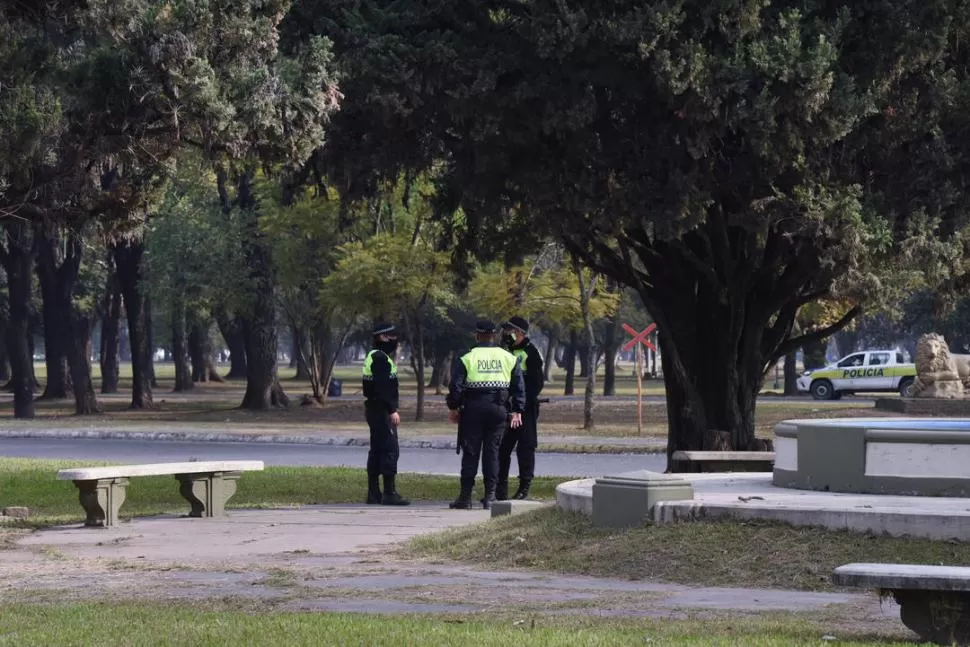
{"type": "Point", "coordinates": [299, 343]}
{"type": "Point", "coordinates": [56, 313]}
{"type": "Point", "coordinates": [4, 355]}
{"type": "Point", "coordinates": [79, 357]}
{"type": "Point", "coordinates": [263, 389]}
{"type": "Point", "coordinates": [550, 358]}
{"type": "Point", "coordinates": [611, 346]}
{"type": "Point", "coordinates": [180, 350]}
{"type": "Point", "coordinates": [197, 355]}
{"type": "Point", "coordinates": [713, 369]}
{"type": "Point", "coordinates": [813, 354]}
{"type": "Point", "coordinates": [150, 335]}
{"type": "Point", "coordinates": [419, 368]}
{"type": "Point", "coordinates": [446, 373]}
{"type": "Point", "coordinates": [569, 362]}
{"type": "Point", "coordinates": [791, 374]}
{"type": "Point", "coordinates": [847, 341]}
{"type": "Point", "coordinates": [583, 355]}
{"type": "Point", "coordinates": [439, 378]}
{"type": "Point", "coordinates": [435, 372]}
{"type": "Point", "coordinates": [326, 345]}
{"type": "Point", "coordinates": [128, 257]}
{"type": "Point", "coordinates": [231, 329]}
{"type": "Point", "coordinates": [707, 414]}
{"type": "Point", "coordinates": [110, 331]}
{"type": "Point", "coordinates": [204, 367]}
{"type": "Point", "coordinates": [18, 261]}
{"type": "Point", "coordinates": [58, 265]}
{"type": "Point", "coordinates": [586, 288]}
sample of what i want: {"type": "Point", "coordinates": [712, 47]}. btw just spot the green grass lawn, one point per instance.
{"type": "Point", "coordinates": [105, 625]}
{"type": "Point", "coordinates": [31, 483]}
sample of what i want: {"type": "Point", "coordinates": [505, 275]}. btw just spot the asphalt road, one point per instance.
{"type": "Point", "coordinates": [434, 461]}
{"type": "Point", "coordinates": [862, 400]}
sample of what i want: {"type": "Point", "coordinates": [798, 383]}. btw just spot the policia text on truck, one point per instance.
{"type": "Point", "coordinates": [862, 372]}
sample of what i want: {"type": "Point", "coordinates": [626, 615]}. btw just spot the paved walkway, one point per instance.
{"type": "Point", "coordinates": [342, 558]}
{"type": "Point", "coordinates": [753, 496]}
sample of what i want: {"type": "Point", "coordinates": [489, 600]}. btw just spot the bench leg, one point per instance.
{"type": "Point", "coordinates": [208, 493]}
{"type": "Point", "coordinates": [942, 617]}
{"type": "Point", "coordinates": [101, 500]}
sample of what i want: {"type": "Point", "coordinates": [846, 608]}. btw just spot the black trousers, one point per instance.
{"type": "Point", "coordinates": [524, 441]}
{"type": "Point", "coordinates": [482, 425]}
{"type": "Point", "coordinates": [384, 448]}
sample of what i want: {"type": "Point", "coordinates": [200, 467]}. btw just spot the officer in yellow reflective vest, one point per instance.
{"type": "Point", "coordinates": [380, 410]}
{"type": "Point", "coordinates": [525, 439]}
{"type": "Point", "coordinates": [486, 389]}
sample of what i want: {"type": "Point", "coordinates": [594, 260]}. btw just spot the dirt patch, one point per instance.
{"type": "Point", "coordinates": [374, 583]}
{"type": "Point", "coordinates": [281, 576]}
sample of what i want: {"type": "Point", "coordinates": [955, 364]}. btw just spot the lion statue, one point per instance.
{"type": "Point", "coordinates": [938, 373]}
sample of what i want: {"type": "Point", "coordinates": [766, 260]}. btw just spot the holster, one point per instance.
{"type": "Point", "coordinates": [461, 419]}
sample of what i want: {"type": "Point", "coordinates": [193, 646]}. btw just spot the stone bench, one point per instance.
{"type": "Point", "coordinates": [206, 485]}
{"type": "Point", "coordinates": [726, 461]}
{"type": "Point", "coordinates": [934, 600]}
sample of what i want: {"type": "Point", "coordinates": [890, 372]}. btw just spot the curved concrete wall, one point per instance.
{"type": "Point", "coordinates": [576, 496]}
{"type": "Point", "coordinates": [911, 456]}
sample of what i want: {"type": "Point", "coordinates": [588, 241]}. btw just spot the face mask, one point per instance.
{"type": "Point", "coordinates": [388, 347]}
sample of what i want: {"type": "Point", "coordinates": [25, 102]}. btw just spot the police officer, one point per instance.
{"type": "Point", "coordinates": [525, 439]}
{"type": "Point", "coordinates": [486, 385]}
{"type": "Point", "coordinates": [380, 410]}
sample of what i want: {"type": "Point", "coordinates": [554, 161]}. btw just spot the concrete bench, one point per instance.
{"type": "Point", "coordinates": [206, 485]}
{"type": "Point", "coordinates": [934, 601]}
{"type": "Point", "coordinates": [726, 461]}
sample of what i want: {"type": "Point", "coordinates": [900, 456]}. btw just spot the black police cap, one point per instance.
{"type": "Point", "coordinates": [384, 328]}
{"type": "Point", "coordinates": [518, 323]}
{"type": "Point", "coordinates": [484, 327]}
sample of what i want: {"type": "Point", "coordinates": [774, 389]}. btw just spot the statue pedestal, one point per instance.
{"type": "Point", "coordinates": [950, 408]}
{"type": "Point", "coordinates": [943, 390]}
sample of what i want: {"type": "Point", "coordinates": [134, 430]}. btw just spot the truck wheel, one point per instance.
{"type": "Point", "coordinates": [906, 387]}
{"type": "Point", "coordinates": [822, 390]}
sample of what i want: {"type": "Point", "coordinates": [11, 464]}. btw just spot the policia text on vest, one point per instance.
{"type": "Point", "coordinates": [486, 386]}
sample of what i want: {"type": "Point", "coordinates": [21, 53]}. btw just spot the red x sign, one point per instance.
{"type": "Point", "coordinates": [642, 336]}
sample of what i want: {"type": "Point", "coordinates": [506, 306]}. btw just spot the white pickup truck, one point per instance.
{"type": "Point", "coordinates": [865, 371]}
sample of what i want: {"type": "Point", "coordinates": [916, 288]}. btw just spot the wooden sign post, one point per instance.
{"type": "Point", "coordinates": [639, 337]}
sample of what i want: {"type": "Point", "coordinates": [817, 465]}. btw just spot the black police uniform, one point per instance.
{"type": "Point", "coordinates": [484, 414]}
{"type": "Point", "coordinates": [381, 391]}
{"type": "Point", "coordinates": [525, 438]}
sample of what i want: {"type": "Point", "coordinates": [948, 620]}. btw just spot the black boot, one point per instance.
{"type": "Point", "coordinates": [523, 491]}
{"type": "Point", "coordinates": [464, 500]}
{"type": "Point", "coordinates": [373, 488]}
{"type": "Point", "coordinates": [502, 491]}
{"type": "Point", "coordinates": [391, 497]}
{"type": "Point", "coordinates": [488, 500]}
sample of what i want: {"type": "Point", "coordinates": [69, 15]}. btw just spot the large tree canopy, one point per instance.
{"type": "Point", "coordinates": [731, 161]}
{"type": "Point", "coordinates": [100, 96]}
